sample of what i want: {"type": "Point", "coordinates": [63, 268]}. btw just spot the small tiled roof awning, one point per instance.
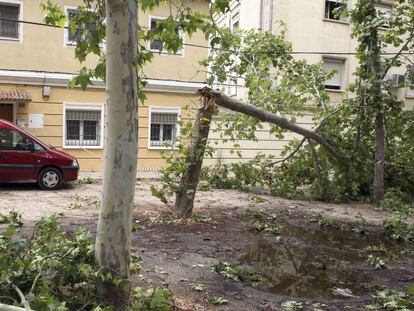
{"type": "Point", "coordinates": [15, 95]}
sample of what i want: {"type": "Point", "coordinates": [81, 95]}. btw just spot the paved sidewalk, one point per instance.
{"type": "Point", "coordinates": [140, 175]}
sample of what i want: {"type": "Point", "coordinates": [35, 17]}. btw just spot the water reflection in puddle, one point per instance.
{"type": "Point", "coordinates": [313, 264]}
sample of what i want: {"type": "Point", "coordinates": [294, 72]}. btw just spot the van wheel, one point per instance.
{"type": "Point", "coordinates": [50, 178]}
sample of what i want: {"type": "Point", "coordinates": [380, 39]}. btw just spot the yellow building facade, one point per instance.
{"type": "Point", "coordinates": [37, 62]}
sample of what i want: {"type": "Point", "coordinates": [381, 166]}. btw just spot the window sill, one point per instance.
{"type": "Point", "coordinates": [157, 52]}
{"type": "Point", "coordinates": [162, 148]}
{"type": "Point", "coordinates": [335, 21]}
{"type": "Point", "coordinates": [82, 147]}
{"type": "Point", "coordinates": [10, 39]}
{"type": "Point", "coordinates": [334, 91]}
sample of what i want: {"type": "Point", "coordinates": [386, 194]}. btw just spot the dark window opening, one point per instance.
{"type": "Point", "coordinates": [9, 26]}
{"type": "Point", "coordinates": [334, 10]}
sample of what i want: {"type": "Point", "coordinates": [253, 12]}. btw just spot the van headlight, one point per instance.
{"type": "Point", "coordinates": [75, 163]}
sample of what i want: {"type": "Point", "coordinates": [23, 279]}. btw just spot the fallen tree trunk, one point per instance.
{"type": "Point", "coordinates": [188, 186]}
{"type": "Point", "coordinates": [223, 100]}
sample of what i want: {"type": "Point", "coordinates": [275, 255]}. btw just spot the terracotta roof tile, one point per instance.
{"type": "Point", "coordinates": [15, 95]}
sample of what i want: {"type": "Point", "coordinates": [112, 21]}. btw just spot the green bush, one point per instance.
{"type": "Point", "coordinates": [397, 201]}
{"type": "Point", "coordinates": [398, 229]}
{"type": "Point", "coordinates": [56, 271]}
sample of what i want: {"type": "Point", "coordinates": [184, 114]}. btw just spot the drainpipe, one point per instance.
{"type": "Point", "coordinates": [261, 26]}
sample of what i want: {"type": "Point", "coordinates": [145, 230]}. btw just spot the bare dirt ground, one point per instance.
{"type": "Point", "coordinates": [303, 262]}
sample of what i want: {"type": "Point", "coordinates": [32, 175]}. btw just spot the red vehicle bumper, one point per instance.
{"type": "Point", "coordinates": [70, 173]}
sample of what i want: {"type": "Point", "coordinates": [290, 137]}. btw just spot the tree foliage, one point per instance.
{"type": "Point", "coordinates": [279, 83]}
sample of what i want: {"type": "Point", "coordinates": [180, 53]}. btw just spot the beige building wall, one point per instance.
{"type": "Point", "coordinates": [41, 57]}
{"type": "Point", "coordinates": [43, 48]}
{"type": "Point", "coordinates": [309, 31]}
{"type": "Point", "coordinates": [91, 159]}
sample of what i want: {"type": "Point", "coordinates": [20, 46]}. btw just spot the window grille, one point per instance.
{"type": "Point", "coordinates": [9, 28]}
{"type": "Point", "coordinates": [83, 128]}
{"type": "Point", "coordinates": [163, 129]}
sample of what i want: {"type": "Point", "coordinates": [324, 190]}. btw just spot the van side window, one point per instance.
{"type": "Point", "coordinates": [13, 140]}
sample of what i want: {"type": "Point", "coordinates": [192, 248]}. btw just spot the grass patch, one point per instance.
{"type": "Point", "coordinates": [262, 221]}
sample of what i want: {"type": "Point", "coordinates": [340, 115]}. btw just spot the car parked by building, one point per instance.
{"type": "Point", "coordinates": [24, 158]}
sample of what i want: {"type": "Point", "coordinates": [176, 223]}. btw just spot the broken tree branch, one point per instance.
{"type": "Point", "coordinates": [223, 100]}
{"type": "Point", "coordinates": [289, 156]}
{"type": "Point", "coordinates": [4, 307]}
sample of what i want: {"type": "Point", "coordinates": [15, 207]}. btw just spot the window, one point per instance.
{"type": "Point", "coordinates": [337, 65]}
{"type": "Point", "coordinates": [164, 127]}
{"type": "Point", "coordinates": [157, 45]}
{"type": "Point", "coordinates": [384, 11]}
{"type": "Point", "coordinates": [83, 127]}
{"type": "Point", "coordinates": [232, 85]}
{"type": "Point", "coordinates": [9, 27]}
{"type": "Point", "coordinates": [410, 91]}
{"type": "Point", "coordinates": [410, 81]}
{"type": "Point", "coordinates": [334, 9]}
{"type": "Point", "coordinates": [235, 22]}
{"type": "Point", "coordinates": [71, 37]}
{"type": "Point", "coordinates": [13, 140]}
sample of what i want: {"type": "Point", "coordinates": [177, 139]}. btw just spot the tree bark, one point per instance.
{"type": "Point", "coordinates": [223, 100]}
{"type": "Point", "coordinates": [379, 166]}
{"type": "Point", "coordinates": [377, 103]}
{"type": "Point", "coordinates": [113, 240]}
{"type": "Point", "coordinates": [185, 195]}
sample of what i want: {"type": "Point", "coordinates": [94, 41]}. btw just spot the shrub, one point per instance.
{"type": "Point", "coordinates": [398, 229]}
{"type": "Point", "coordinates": [397, 201]}
{"type": "Point", "coordinates": [56, 271]}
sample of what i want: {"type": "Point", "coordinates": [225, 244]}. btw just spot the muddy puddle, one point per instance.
{"type": "Point", "coordinates": [320, 263]}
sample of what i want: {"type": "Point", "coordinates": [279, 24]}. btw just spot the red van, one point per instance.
{"type": "Point", "coordinates": [24, 158]}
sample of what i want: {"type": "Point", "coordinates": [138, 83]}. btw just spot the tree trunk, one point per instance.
{"type": "Point", "coordinates": [223, 100]}
{"type": "Point", "coordinates": [113, 239]}
{"type": "Point", "coordinates": [188, 186]}
{"type": "Point", "coordinates": [378, 187]}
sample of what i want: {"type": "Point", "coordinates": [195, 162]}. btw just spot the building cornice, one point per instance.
{"type": "Point", "coordinates": [62, 80]}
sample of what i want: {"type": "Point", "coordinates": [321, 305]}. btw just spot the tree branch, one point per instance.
{"type": "Point", "coordinates": [4, 307]}
{"type": "Point", "coordinates": [410, 38]}
{"type": "Point", "coordinates": [289, 156]}
{"type": "Point", "coordinates": [223, 100]}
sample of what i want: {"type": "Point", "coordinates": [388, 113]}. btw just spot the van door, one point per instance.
{"type": "Point", "coordinates": [16, 160]}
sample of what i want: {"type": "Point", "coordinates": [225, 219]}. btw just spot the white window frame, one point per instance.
{"type": "Point", "coordinates": [66, 41]}
{"type": "Point", "coordinates": [342, 18]}
{"type": "Point", "coordinates": [232, 86]}
{"type": "Point", "coordinates": [171, 110]}
{"type": "Point", "coordinates": [19, 25]}
{"type": "Point", "coordinates": [341, 73]}
{"type": "Point", "coordinates": [385, 6]}
{"type": "Point", "coordinates": [86, 107]}
{"type": "Point", "coordinates": [410, 92]}
{"type": "Point", "coordinates": [180, 53]}
{"type": "Point", "coordinates": [234, 19]}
